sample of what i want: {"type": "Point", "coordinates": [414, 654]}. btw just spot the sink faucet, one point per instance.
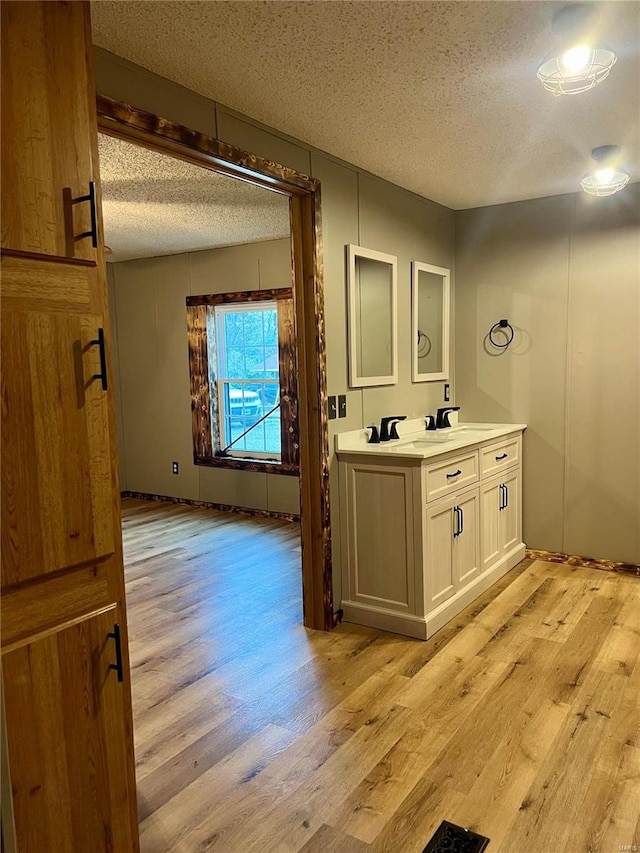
{"type": "Point", "coordinates": [442, 416]}
{"type": "Point", "coordinates": [388, 427]}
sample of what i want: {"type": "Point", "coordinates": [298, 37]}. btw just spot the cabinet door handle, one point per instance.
{"type": "Point", "coordinates": [456, 526]}
{"type": "Point", "coordinates": [506, 496]}
{"type": "Point", "coordinates": [455, 473]}
{"type": "Point", "coordinates": [503, 456]}
{"type": "Point", "coordinates": [115, 636]}
{"type": "Point", "coordinates": [461, 521]}
{"type": "Point", "coordinates": [91, 198]}
{"type": "Point", "coordinates": [99, 342]}
{"type": "Point", "coordinates": [501, 505]}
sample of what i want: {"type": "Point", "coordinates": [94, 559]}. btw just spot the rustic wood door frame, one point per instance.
{"type": "Point", "coordinates": [133, 125]}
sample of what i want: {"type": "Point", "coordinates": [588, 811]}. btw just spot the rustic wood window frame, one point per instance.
{"type": "Point", "coordinates": [123, 121]}
{"type": "Point", "coordinates": [204, 403]}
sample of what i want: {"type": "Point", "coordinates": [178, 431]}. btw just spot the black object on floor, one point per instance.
{"type": "Point", "coordinates": [449, 838]}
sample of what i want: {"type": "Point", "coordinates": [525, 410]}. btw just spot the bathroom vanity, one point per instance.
{"type": "Point", "coordinates": [429, 521]}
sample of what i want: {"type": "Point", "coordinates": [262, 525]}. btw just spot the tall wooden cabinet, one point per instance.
{"type": "Point", "coordinates": [67, 700]}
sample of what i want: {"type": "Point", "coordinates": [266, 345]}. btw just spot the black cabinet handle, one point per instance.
{"type": "Point", "coordinates": [501, 505]}
{"type": "Point", "coordinates": [115, 635]}
{"type": "Point", "coordinates": [99, 342]}
{"type": "Point", "coordinates": [91, 198]}
{"type": "Point", "coordinates": [504, 456]}
{"type": "Point", "coordinates": [455, 473]}
{"type": "Point", "coordinates": [456, 524]}
{"type": "Point", "coordinates": [506, 496]}
{"type": "Point", "coordinates": [461, 521]}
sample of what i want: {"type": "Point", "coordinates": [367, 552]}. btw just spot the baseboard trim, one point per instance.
{"type": "Point", "coordinates": [585, 562]}
{"type": "Point", "coordinates": [260, 513]}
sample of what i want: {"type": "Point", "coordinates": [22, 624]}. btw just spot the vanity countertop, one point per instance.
{"type": "Point", "coordinates": [416, 442]}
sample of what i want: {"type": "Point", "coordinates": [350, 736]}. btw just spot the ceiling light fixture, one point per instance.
{"type": "Point", "coordinates": [578, 65]}
{"type": "Point", "coordinates": [608, 177]}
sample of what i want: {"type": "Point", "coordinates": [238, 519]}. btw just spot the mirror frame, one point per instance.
{"type": "Point", "coordinates": [356, 381]}
{"type": "Point", "coordinates": [416, 268]}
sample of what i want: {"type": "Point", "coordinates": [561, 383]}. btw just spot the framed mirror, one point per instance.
{"type": "Point", "coordinates": [372, 279]}
{"type": "Point", "coordinates": [430, 322]}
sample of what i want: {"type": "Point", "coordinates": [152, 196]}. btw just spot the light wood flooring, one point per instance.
{"type": "Point", "coordinates": [520, 720]}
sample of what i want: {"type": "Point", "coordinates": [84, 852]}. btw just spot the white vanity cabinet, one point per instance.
{"type": "Point", "coordinates": [424, 533]}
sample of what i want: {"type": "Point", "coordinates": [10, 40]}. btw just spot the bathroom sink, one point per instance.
{"type": "Point", "coordinates": [421, 443]}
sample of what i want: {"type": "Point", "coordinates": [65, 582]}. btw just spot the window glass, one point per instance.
{"type": "Point", "coordinates": [249, 379]}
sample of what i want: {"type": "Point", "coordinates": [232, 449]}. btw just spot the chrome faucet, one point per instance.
{"type": "Point", "coordinates": [388, 427]}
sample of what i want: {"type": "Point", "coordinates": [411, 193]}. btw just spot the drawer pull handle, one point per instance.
{"type": "Point", "coordinates": [455, 473]}
{"type": "Point", "coordinates": [504, 456]}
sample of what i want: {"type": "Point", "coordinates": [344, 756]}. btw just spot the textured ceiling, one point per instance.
{"type": "Point", "coordinates": [438, 97]}
{"type": "Point", "coordinates": [153, 205]}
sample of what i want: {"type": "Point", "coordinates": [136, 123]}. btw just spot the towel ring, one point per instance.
{"type": "Point", "coordinates": [501, 324]}
{"type": "Point", "coordinates": [424, 344]}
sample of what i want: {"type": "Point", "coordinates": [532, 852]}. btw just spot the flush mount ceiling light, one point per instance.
{"type": "Point", "coordinates": [608, 178]}
{"type": "Point", "coordinates": [578, 64]}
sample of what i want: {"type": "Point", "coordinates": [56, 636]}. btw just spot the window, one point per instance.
{"type": "Point", "coordinates": [248, 371]}
{"type": "Point", "coordinates": [243, 380]}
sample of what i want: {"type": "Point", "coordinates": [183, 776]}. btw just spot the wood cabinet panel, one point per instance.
{"type": "Point", "coordinates": [66, 723]}
{"type": "Point", "coordinates": [490, 501]}
{"type": "Point", "coordinates": [511, 516]}
{"type": "Point", "coordinates": [48, 113]}
{"type": "Point", "coordinates": [500, 456]}
{"type": "Point", "coordinates": [440, 528]}
{"type": "Point", "coordinates": [56, 446]}
{"type": "Point", "coordinates": [381, 536]}
{"type": "Point", "coordinates": [466, 543]}
{"type": "Point", "coordinates": [444, 477]}
{"type": "Point", "coordinates": [31, 609]}
{"type": "Point", "coordinates": [501, 516]}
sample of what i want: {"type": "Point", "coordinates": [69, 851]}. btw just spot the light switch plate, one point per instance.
{"type": "Point", "coordinates": [331, 403]}
{"type": "Point", "coordinates": [342, 405]}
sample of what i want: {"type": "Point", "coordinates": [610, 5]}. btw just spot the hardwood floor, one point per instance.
{"type": "Point", "coordinates": [520, 721]}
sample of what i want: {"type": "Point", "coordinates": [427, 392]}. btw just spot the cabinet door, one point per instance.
{"type": "Point", "coordinates": [501, 518]}
{"type": "Point", "coordinates": [511, 515]}
{"type": "Point", "coordinates": [490, 517]}
{"type": "Point", "coordinates": [57, 485]}
{"type": "Point", "coordinates": [466, 546]}
{"type": "Point", "coordinates": [66, 721]}
{"type": "Point", "coordinates": [439, 532]}
{"type": "Point", "coordinates": [48, 116]}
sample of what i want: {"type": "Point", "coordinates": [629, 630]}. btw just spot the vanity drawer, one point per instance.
{"type": "Point", "coordinates": [502, 454]}
{"type": "Point", "coordinates": [441, 478]}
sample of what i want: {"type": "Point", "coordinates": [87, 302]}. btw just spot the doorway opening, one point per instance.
{"type": "Point", "coordinates": [122, 122]}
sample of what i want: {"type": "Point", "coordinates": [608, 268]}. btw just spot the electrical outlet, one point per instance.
{"type": "Point", "coordinates": [447, 395]}
{"type": "Point", "coordinates": [175, 467]}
